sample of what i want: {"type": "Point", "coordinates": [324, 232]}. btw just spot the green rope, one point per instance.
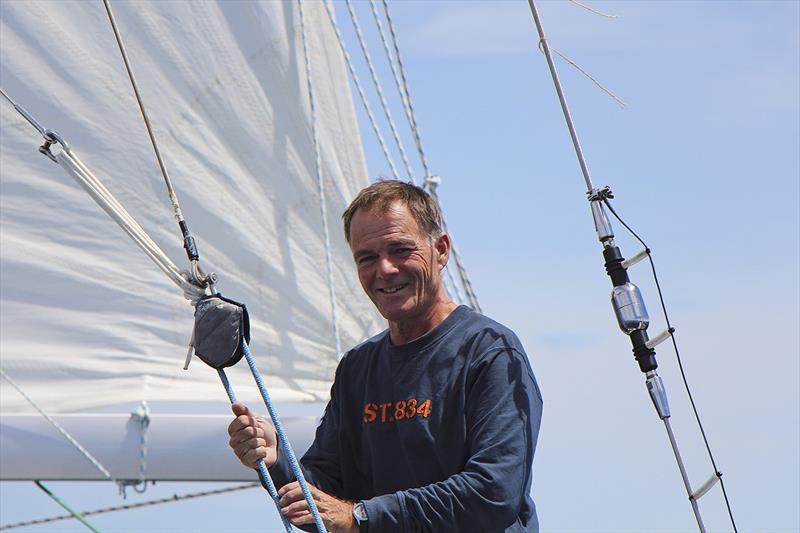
{"type": "Point", "coordinates": [66, 507]}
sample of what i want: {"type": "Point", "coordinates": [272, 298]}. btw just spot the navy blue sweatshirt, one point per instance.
{"type": "Point", "coordinates": [434, 435]}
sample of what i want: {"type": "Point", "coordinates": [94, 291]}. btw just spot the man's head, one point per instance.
{"type": "Point", "coordinates": [379, 196]}
{"type": "Point", "coordinates": [395, 233]}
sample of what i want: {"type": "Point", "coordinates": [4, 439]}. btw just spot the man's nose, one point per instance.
{"type": "Point", "coordinates": [386, 267]}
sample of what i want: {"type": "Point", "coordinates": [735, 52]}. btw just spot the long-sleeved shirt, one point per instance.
{"type": "Point", "coordinates": [434, 435]}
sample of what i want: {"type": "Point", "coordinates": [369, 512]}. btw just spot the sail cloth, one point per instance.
{"type": "Point", "coordinates": [86, 320]}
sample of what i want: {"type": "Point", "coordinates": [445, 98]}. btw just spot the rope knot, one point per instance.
{"type": "Point", "coordinates": [141, 415]}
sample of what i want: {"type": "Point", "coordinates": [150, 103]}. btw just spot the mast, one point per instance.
{"type": "Point", "coordinates": [626, 298]}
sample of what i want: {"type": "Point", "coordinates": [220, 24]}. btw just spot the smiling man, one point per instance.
{"type": "Point", "coordinates": [432, 424]}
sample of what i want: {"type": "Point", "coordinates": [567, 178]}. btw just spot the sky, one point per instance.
{"type": "Point", "coordinates": [705, 165]}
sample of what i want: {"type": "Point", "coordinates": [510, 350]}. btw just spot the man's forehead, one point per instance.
{"type": "Point", "coordinates": [394, 222]}
{"type": "Point", "coordinates": [396, 214]}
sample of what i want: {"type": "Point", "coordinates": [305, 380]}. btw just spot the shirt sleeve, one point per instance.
{"type": "Point", "coordinates": [502, 415]}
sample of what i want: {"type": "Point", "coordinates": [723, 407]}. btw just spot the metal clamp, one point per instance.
{"type": "Point", "coordinates": [202, 279]}
{"type": "Point", "coordinates": [51, 138]}
{"type": "Point", "coordinates": [596, 195]}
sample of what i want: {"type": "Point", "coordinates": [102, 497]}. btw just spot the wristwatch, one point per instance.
{"type": "Point", "coordinates": [360, 514]}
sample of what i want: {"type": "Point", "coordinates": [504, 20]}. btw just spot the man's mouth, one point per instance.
{"type": "Point", "coordinates": [393, 289]}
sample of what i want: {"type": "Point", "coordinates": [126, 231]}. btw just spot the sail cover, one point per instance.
{"type": "Point", "coordinates": [86, 320]}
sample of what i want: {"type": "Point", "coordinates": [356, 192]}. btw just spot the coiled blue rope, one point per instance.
{"type": "Point", "coordinates": [283, 440]}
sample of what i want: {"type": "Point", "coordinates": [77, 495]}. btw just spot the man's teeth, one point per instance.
{"type": "Point", "coordinates": [390, 290]}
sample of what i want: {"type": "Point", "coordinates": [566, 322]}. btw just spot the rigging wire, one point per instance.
{"type": "Point", "coordinates": [32, 121]}
{"type": "Point", "coordinates": [545, 47]}
{"type": "Point", "coordinates": [125, 507]}
{"type": "Point", "coordinates": [604, 197]}
{"type": "Point", "coordinates": [320, 182]}
{"type": "Point", "coordinates": [360, 90]}
{"type": "Point", "coordinates": [592, 10]}
{"type": "Point", "coordinates": [406, 95]}
{"type": "Point", "coordinates": [188, 241]}
{"type": "Point", "coordinates": [379, 90]}
{"type": "Point", "coordinates": [103, 470]}
{"type": "Point", "coordinates": [717, 473]}
{"type": "Point", "coordinates": [451, 286]}
{"type": "Point", "coordinates": [430, 182]}
{"type": "Point", "coordinates": [72, 165]}
{"type": "Point", "coordinates": [592, 78]}
{"type": "Point", "coordinates": [73, 513]}
{"type": "Point", "coordinates": [170, 189]}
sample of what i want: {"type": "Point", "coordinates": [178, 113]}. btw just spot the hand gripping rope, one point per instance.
{"type": "Point", "coordinates": [222, 327]}
{"type": "Point", "coordinates": [220, 338]}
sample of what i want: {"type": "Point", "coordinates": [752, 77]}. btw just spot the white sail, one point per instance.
{"type": "Point", "coordinates": [86, 320]}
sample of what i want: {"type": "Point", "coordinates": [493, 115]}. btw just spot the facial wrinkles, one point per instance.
{"type": "Point", "coordinates": [392, 252]}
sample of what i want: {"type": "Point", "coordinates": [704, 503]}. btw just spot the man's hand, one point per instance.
{"type": "Point", "coordinates": [252, 438]}
{"type": "Point", "coordinates": [336, 514]}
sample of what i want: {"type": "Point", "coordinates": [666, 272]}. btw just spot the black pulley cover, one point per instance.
{"type": "Point", "coordinates": [221, 327]}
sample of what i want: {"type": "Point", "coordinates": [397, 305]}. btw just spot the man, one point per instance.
{"type": "Point", "coordinates": [432, 424]}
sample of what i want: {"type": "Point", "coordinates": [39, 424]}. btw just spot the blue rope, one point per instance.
{"type": "Point", "coordinates": [263, 474]}
{"type": "Point", "coordinates": [284, 441]}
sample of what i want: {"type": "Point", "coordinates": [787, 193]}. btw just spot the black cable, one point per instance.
{"type": "Point", "coordinates": [680, 363]}
{"type": "Point", "coordinates": [147, 503]}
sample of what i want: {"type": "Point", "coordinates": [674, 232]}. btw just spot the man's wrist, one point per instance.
{"type": "Point", "coordinates": [360, 515]}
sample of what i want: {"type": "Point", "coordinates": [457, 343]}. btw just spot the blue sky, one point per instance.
{"type": "Point", "coordinates": [705, 164]}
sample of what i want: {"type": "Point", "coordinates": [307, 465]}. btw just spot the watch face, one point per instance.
{"type": "Point", "coordinates": [360, 512]}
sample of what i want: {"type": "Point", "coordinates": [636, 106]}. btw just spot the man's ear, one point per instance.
{"type": "Point", "coordinates": [442, 247]}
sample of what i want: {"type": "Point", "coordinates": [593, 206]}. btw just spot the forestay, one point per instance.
{"type": "Point", "coordinates": [86, 320]}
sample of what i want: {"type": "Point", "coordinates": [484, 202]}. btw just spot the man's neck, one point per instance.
{"type": "Point", "coordinates": [403, 332]}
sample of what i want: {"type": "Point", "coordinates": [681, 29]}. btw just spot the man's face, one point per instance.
{"type": "Point", "coordinates": [399, 268]}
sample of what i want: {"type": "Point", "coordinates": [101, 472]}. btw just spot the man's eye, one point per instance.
{"type": "Point", "coordinates": [364, 259]}
{"type": "Point", "coordinates": [403, 250]}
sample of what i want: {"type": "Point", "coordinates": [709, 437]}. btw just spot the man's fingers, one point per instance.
{"type": "Point", "coordinates": [247, 434]}
{"type": "Point", "coordinates": [289, 486]}
{"type": "Point", "coordinates": [290, 493]}
{"type": "Point", "coordinates": [295, 507]}
{"type": "Point", "coordinates": [242, 448]}
{"type": "Point", "coordinates": [301, 518]}
{"type": "Point", "coordinates": [251, 457]}
{"type": "Point", "coordinates": [244, 421]}
{"type": "Point", "coordinates": [240, 409]}
{"type": "Point", "coordinates": [239, 423]}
